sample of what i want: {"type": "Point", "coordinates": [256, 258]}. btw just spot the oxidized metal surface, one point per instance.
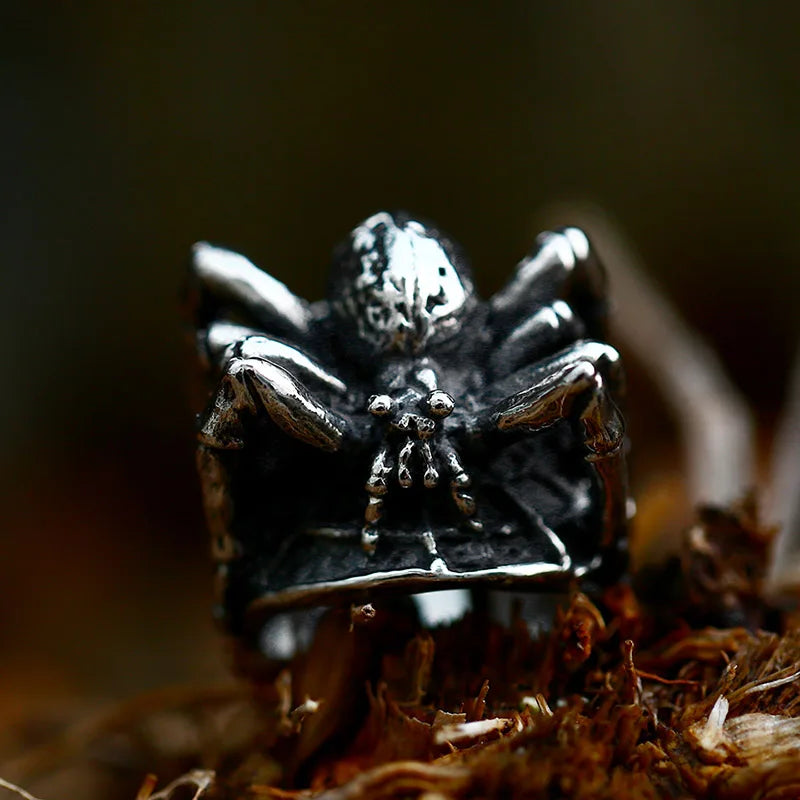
{"type": "Point", "coordinates": [404, 433]}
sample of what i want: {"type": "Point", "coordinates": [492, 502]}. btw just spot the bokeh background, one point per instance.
{"type": "Point", "coordinates": [130, 130]}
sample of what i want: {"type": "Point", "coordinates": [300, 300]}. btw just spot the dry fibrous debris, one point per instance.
{"type": "Point", "coordinates": [619, 698]}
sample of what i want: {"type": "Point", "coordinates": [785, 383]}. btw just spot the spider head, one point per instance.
{"type": "Point", "coordinates": [399, 285]}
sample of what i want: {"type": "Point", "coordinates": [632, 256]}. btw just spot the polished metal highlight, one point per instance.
{"type": "Point", "coordinates": [404, 435]}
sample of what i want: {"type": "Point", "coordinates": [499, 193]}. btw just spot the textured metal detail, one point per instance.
{"type": "Point", "coordinates": [400, 285]}
{"type": "Point", "coordinates": [403, 434]}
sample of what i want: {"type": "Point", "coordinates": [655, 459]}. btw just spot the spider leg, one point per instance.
{"type": "Point", "coordinates": [227, 279]}
{"type": "Point", "coordinates": [431, 476]}
{"type": "Point", "coordinates": [561, 266]}
{"type": "Point", "coordinates": [377, 486]}
{"type": "Point", "coordinates": [248, 383]}
{"type": "Point", "coordinates": [223, 341]}
{"type": "Point", "coordinates": [574, 384]}
{"type": "Point", "coordinates": [546, 331]}
{"type": "Point", "coordinates": [404, 476]}
{"type": "Point", "coordinates": [713, 420]}
{"type": "Point", "coordinates": [460, 481]}
{"type": "Point", "coordinates": [215, 344]}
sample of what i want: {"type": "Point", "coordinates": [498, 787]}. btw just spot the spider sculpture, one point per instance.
{"type": "Point", "coordinates": [404, 433]}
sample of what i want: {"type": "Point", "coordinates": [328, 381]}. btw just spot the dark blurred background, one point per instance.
{"type": "Point", "coordinates": [131, 130]}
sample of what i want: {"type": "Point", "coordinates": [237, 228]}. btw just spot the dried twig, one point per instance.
{"type": "Point", "coordinates": [715, 422]}
{"type": "Point", "coordinates": [200, 779]}
{"type": "Point", "coordinates": [783, 498]}
{"type": "Point", "coordinates": [17, 790]}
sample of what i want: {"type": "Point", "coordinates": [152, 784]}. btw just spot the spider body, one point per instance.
{"type": "Point", "coordinates": [404, 434]}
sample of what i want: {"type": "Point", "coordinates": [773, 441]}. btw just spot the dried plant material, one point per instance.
{"type": "Point", "coordinates": [442, 719]}
{"type": "Point", "coordinates": [198, 779]}
{"type": "Point", "coordinates": [476, 708]}
{"type": "Point", "coordinates": [682, 647]}
{"type": "Point", "coordinates": [408, 676]}
{"type": "Point", "coordinates": [214, 723]}
{"type": "Point", "coordinates": [744, 739]}
{"type": "Point", "coordinates": [391, 732]}
{"type": "Point", "coordinates": [401, 779]}
{"type": "Point", "coordinates": [707, 737]}
{"type": "Point", "coordinates": [283, 686]}
{"type": "Point", "coordinates": [580, 626]}
{"type": "Point", "coordinates": [725, 557]}
{"type": "Point", "coordinates": [470, 731]}
{"type": "Point", "coordinates": [290, 720]}
{"type": "Point", "coordinates": [720, 575]}
{"type": "Point", "coordinates": [294, 719]}
{"type": "Point", "coordinates": [361, 615]}
{"type": "Point", "coordinates": [536, 705]}
{"type": "Point", "coordinates": [148, 787]}
{"type": "Point", "coordinates": [620, 699]}
{"type": "Point", "coordinates": [11, 787]}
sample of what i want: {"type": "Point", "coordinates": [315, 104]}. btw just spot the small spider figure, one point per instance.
{"type": "Point", "coordinates": [403, 432]}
